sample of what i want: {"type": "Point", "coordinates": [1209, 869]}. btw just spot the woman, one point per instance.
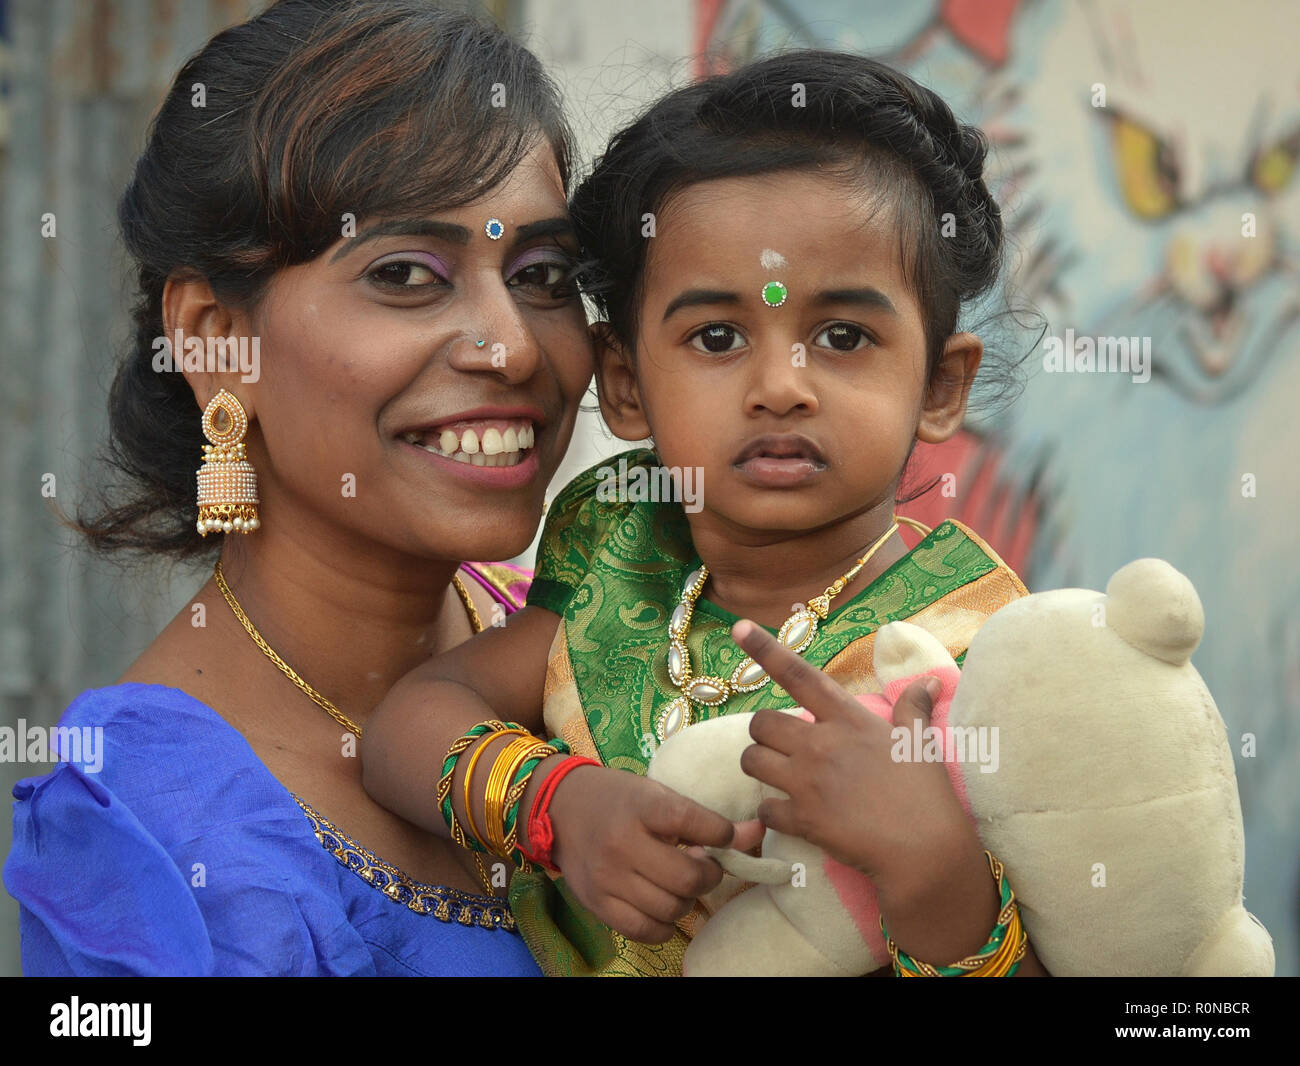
{"type": "Point", "coordinates": [373, 195]}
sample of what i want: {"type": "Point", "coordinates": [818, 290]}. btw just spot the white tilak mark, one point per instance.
{"type": "Point", "coordinates": [770, 260]}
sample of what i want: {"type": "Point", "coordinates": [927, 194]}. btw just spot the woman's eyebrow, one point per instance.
{"type": "Point", "coordinates": [547, 227]}
{"type": "Point", "coordinates": [406, 227]}
{"type": "Point", "coordinates": [697, 298]}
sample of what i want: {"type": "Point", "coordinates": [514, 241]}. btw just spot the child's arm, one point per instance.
{"type": "Point", "coordinates": [616, 833]}
{"type": "Point", "coordinates": [498, 674]}
{"type": "Point", "coordinates": [919, 848]}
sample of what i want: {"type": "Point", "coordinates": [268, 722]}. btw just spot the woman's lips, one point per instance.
{"type": "Point", "coordinates": [511, 476]}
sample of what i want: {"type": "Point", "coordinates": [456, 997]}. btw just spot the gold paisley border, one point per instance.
{"type": "Point", "coordinates": [445, 904]}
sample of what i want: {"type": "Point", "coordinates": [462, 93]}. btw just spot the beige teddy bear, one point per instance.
{"type": "Point", "coordinates": [1094, 762]}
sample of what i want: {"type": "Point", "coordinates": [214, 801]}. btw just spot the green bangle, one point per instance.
{"type": "Point", "coordinates": [449, 767]}
{"type": "Point", "coordinates": [557, 748]}
{"type": "Point", "coordinates": [905, 965]}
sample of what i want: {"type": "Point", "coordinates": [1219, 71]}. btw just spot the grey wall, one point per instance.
{"type": "Point", "coordinates": [83, 77]}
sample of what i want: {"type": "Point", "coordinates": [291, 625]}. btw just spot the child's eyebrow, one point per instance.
{"type": "Point", "coordinates": [697, 297]}
{"type": "Point", "coordinates": [868, 297]}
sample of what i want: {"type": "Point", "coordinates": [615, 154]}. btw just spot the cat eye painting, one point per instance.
{"type": "Point", "coordinates": [1144, 155]}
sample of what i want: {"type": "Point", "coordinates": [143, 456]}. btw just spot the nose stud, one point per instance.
{"type": "Point", "coordinates": [479, 344]}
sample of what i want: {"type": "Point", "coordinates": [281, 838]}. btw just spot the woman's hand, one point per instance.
{"type": "Point", "coordinates": [616, 837]}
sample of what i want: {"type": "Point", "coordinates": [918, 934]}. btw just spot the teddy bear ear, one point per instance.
{"type": "Point", "coordinates": [905, 650]}
{"type": "Point", "coordinates": [1156, 609]}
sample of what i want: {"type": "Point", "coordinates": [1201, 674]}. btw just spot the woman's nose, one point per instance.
{"type": "Point", "coordinates": [500, 339]}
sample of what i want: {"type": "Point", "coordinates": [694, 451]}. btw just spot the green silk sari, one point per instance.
{"type": "Point", "coordinates": [613, 571]}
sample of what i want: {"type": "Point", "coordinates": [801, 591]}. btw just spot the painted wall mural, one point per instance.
{"type": "Point", "coordinates": [1145, 156]}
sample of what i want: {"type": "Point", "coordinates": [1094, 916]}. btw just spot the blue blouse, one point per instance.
{"type": "Point", "coordinates": [184, 856]}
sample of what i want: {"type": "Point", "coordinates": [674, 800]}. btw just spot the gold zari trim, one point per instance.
{"type": "Point", "coordinates": [445, 904]}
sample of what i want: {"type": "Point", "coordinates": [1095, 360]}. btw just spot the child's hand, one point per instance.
{"type": "Point", "coordinates": [616, 837]}
{"type": "Point", "coordinates": [899, 822]}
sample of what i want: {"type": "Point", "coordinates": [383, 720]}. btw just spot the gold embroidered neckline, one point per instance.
{"type": "Point", "coordinates": [445, 904]}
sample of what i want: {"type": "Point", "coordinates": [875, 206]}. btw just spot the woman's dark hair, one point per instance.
{"type": "Point", "coordinates": [314, 109]}
{"type": "Point", "coordinates": [835, 112]}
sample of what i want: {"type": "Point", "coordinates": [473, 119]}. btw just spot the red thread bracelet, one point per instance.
{"type": "Point", "coordinates": [541, 834]}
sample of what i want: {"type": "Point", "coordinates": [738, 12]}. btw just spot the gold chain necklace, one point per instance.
{"type": "Point", "coordinates": [476, 623]}
{"type": "Point", "coordinates": [796, 633]}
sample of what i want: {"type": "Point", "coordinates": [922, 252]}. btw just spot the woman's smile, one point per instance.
{"type": "Point", "coordinates": [506, 468]}
{"type": "Point", "coordinates": [491, 446]}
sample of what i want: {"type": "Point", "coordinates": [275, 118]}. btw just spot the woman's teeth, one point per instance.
{"type": "Point", "coordinates": [491, 447]}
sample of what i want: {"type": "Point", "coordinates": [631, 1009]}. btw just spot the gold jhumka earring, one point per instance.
{"type": "Point", "coordinates": [227, 482]}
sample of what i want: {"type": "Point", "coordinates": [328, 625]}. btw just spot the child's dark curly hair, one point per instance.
{"type": "Point", "coordinates": [836, 112]}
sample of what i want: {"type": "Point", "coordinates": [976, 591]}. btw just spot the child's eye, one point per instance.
{"type": "Point", "coordinates": [842, 336]}
{"type": "Point", "coordinates": [716, 339]}
{"type": "Point", "coordinates": [405, 274]}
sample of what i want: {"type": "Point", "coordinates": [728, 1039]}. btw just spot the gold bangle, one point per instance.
{"type": "Point", "coordinates": [469, 773]}
{"type": "Point", "coordinates": [1000, 962]}
{"type": "Point", "coordinates": [504, 791]}
{"type": "Point", "coordinates": [507, 760]}
{"type": "Point", "coordinates": [450, 761]}
{"type": "Point", "coordinates": [518, 789]}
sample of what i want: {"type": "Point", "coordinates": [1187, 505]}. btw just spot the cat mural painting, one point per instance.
{"type": "Point", "coordinates": [1152, 201]}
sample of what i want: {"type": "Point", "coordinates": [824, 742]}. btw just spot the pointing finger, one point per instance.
{"type": "Point", "coordinates": [808, 685]}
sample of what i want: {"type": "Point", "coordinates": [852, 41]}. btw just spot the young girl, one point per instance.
{"type": "Point", "coordinates": [780, 255]}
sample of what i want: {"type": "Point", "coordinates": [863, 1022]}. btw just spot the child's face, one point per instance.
{"type": "Point", "coordinates": [800, 415]}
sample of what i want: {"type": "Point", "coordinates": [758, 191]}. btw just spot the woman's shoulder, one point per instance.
{"type": "Point", "coordinates": [153, 741]}
{"type": "Point", "coordinates": [148, 712]}
{"type": "Point", "coordinates": [161, 845]}
{"type": "Point", "coordinates": [177, 766]}
{"type": "Point", "coordinates": [181, 854]}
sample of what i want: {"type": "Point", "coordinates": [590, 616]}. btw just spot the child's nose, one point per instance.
{"type": "Point", "coordinates": [780, 383]}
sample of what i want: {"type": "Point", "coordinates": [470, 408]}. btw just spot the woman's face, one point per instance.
{"type": "Point", "coordinates": [420, 380]}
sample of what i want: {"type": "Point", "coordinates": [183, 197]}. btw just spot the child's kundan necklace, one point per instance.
{"type": "Point", "coordinates": [796, 634]}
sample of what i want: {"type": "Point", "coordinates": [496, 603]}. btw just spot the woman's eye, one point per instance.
{"type": "Point", "coordinates": [405, 273]}
{"type": "Point", "coordinates": [546, 279]}
{"type": "Point", "coordinates": [842, 337]}
{"type": "Point", "coordinates": [542, 275]}
{"type": "Point", "coordinates": [717, 339]}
